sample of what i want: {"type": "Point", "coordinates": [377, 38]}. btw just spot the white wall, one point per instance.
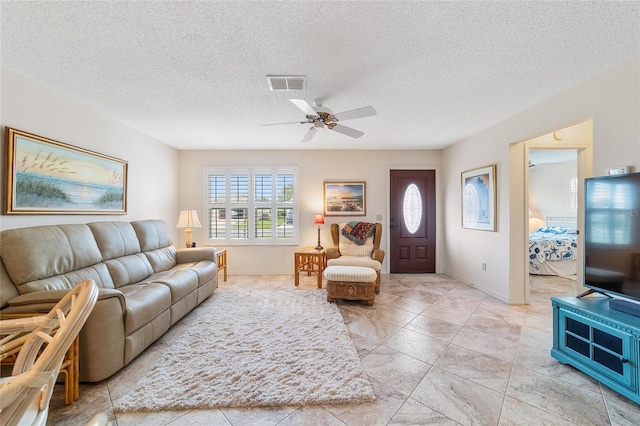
{"type": "Point", "coordinates": [611, 100]}
{"type": "Point", "coordinates": [549, 188]}
{"type": "Point", "coordinates": [314, 168]}
{"type": "Point", "coordinates": [152, 177]}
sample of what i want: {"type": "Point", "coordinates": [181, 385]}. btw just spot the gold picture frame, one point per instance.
{"type": "Point", "coordinates": [345, 198]}
{"type": "Point", "coordinates": [50, 177]}
{"type": "Point", "coordinates": [479, 198]}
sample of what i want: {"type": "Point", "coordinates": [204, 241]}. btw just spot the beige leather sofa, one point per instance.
{"type": "Point", "coordinates": [146, 284]}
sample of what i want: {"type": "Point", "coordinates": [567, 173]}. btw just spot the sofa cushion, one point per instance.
{"type": "Point", "coordinates": [205, 269]}
{"type": "Point", "coordinates": [127, 270]}
{"type": "Point", "coordinates": [52, 250]}
{"type": "Point", "coordinates": [97, 273]}
{"type": "Point", "coordinates": [152, 234]}
{"type": "Point", "coordinates": [162, 259]}
{"type": "Point", "coordinates": [144, 303]}
{"type": "Point", "coordinates": [115, 239]}
{"type": "Point", "coordinates": [355, 261]}
{"type": "Point", "coordinates": [179, 282]}
{"type": "Point", "coordinates": [7, 290]}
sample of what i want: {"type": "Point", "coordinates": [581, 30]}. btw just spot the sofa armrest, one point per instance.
{"type": "Point", "coordinates": [44, 301]}
{"type": "Point", "coordinates": [378, 254]}
{"type": "Point", "coordinates": [332, 253]}
{"type": "Point", "coordinates": [188, 255]}
{"type": "Point", "coordinates": [103, 338]}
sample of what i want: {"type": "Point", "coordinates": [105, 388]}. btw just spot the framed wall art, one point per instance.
{"type": "Point", "coordinates": [479, 198]}
{"type": "Point", "coordinates": [345, 199]}
{"type": "Point", "coordinates": [44, 176]}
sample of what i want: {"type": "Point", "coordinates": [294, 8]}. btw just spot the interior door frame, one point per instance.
{"type": "Point", "coordinates": [519, 286]}
{"type": "Point", "coordinates": [385, 222]}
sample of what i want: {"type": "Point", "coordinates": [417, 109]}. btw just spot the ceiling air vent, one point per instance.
{"type": "Point", "coordinates": [286, 83]}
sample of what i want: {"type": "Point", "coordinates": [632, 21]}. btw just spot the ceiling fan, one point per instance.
{"type": "Point", "coordinates": [320, 117]}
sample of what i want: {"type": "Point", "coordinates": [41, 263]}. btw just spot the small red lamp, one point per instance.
{"type": "Point", "coordinates": [319, 219]}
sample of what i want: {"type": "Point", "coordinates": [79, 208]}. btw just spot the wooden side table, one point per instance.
{"type": "Point", "coordinates": [309, 260]}
{"type": "Point", "coordinates": [222, 262]}
{"type": "Point", "coordinates": [70, 367]}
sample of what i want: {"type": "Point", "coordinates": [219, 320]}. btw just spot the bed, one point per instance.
{"type": "Point", "coordinates": [553, 248]}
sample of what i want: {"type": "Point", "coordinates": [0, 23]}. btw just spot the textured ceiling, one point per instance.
{"type": "Point", "coordinates": [192, 74]}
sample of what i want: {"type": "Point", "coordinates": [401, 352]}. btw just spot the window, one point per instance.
{"type": "Point", "coordinates": [412, 208]}
{"type": "Point", "coordinates": [251, 206]}
{"type": "Point", "coordinates": [573, 194]}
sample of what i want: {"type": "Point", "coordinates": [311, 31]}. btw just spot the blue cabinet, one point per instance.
{"type": "Point", "coordinates": [599, 341]}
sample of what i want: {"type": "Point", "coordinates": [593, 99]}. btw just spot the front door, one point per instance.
{"type": "Point", "coordinates": [412, 221]}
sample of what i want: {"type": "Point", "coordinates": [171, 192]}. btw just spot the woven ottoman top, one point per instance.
{"type": "Point", "coordinates": [350, 274]}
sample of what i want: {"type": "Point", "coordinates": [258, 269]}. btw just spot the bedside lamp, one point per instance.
{"type": "Point", "coordinates": [535, 222]}
{"type": "Point", "coordinates": [188, 219]}
{"type": "Point", "coordinates": [319, 219]}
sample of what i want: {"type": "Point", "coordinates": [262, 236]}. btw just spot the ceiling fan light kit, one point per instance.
{"type": "Point", "coordinates": [320, 117]}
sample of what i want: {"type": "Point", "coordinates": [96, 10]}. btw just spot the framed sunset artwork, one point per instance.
{"type": "Point", "coordinates": [49, 177]}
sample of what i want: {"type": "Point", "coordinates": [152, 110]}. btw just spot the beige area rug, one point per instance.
{"type": "Point", "coordinates": [261, 348]}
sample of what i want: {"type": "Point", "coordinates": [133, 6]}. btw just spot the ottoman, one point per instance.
{"type": "Point", "coordinates": [351, 283]}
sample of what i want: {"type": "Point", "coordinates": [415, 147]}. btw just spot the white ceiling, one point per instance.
{"type": "Point", "coordinates": [192, 74]}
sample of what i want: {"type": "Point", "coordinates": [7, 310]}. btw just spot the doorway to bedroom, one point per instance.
{"type": "Point", "coordinates": [553, 212]}
{"type": "Point", "coordinates": [553, 221]}
{"type": "Point", "coordinates": [556, 165]}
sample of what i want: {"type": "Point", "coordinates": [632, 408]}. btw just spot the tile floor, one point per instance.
{"type": "Point", "coordinates": [437, 352]}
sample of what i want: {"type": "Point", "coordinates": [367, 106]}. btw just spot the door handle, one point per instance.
{"type": "Point", "coordinates": [392, 226]}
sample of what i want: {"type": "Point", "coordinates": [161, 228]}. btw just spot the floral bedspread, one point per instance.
{"type": "Point", "coordinates": [551, 243]}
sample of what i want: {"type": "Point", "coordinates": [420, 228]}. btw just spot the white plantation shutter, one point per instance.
{"type": "Point", "coordinates": [253, 206]}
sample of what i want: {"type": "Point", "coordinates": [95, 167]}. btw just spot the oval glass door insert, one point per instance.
{"type": "Point", "coordinates": [412, 208]}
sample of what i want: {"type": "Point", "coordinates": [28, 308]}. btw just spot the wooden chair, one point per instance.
{"type": "Point", "coordinates": [42, 341]}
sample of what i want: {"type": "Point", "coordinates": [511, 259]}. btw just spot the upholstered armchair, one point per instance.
{"type": "Point", "coordinates": [346, 252]}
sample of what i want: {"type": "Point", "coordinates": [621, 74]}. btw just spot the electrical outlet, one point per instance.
{"type": "Point", "coordinates": [484, 266]}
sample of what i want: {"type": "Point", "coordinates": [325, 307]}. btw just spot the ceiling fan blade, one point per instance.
{"type": "Point", "coordinates": [310, 134]}
{"type": "Point", "coordinates": [355, 113]}
{"type": "Point", "coordinates": [304, 106]}
{"type": "Point", "coordinates": [286, 122]}
{"type": "Point", "coordinates": [347, 131]}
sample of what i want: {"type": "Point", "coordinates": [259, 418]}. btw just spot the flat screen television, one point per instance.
{"type": "Point", "coordinates": [612, 235]}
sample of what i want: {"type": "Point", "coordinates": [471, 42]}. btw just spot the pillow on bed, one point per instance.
{"type": "Point", "coordinates": [557, 230]}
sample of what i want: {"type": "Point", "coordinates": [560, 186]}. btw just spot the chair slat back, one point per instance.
{"type": "Point", "coordinates": [42, 352]}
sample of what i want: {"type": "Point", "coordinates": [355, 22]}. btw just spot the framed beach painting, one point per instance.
{"type": "Point", "coordinates": [345, 199]}
{"type": "Point", "coordinates": [479, 198]}
{"type": "Point", "coordinates": [44, 176]}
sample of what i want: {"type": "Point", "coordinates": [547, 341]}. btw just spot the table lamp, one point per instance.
{"type": "Point", "coordinates": [535, 222]}
{"type": "Point", "coordinates": [319, 219]}
{"type": "Point", "coordinates": [188, 219]}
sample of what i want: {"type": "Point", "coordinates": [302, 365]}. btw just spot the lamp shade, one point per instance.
{"type": "Point", "coordinates": [319, 219]}
{"type": "Point", "coordinates": [188, 219]}
{"type": "Point", "coordinates": [535, 223]}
